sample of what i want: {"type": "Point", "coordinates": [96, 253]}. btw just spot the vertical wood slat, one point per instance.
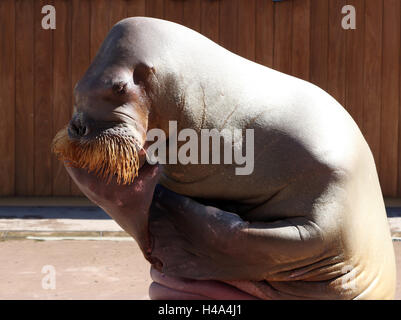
{"type": "Point", "coordinates": [155, 8]}
{"type": "Point", "coordinates": [283, 36]}
{"type": "Point", "coordinates": [228, 25]}
{"type": "Point", "coordinates": [398, 194]}
{"type": "Point", "coordinates": [355, 64]}
{"type": "Point", "coordinates": [336, 58]}
{"type": "Point", "coordinates": [319, 42]}
{"type": "Point", "coordinates": [24, 98]}
{"type": "Point", "coordinates": [264, 21]}
{"type": "Point", "coordinates": [99, 24]}
{"type": "Point", "coordinates": [174, 11]}
{"type": "Point", "coordinates": [80, 50]}
{"type": "Point", "coordinates": [301, 39]}
{"type": "Point", "coordinates": [118, 11]}
{"type": "Point", "coordinates": [136, 8]}
{"type": "Point", "coordinates": [7, 97]}
{"type": "Point", "coordinates": [192, 15]}
{"type": "Point", "coordinates": [43, 103]}
{"type": "Point", "coordinates": [61, 88]}
{"type": "Point", "coordinates": [373, 69]}
{"type": "Point", "coordinates": [390, 97]}
{"type": "Point", "coordinates": [210, 19]}
{"type": "Point", "coordinates": [246, 29]}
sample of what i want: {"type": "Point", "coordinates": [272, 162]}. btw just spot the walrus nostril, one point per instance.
{"type": "Point", "coordinates": [120, 88]}
{"type": "Point", "coordinates": [77, 129]}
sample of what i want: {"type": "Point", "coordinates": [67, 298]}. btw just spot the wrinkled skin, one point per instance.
{"type": "Point", "coordinates": [132, 207]}
{"type": "Point", "coordinates": [308, 222]}
{"type": "Point", "coordinates": [120, 201]}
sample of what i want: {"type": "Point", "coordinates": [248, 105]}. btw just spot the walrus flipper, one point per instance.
{"type": "Point", "coordinates": [227, 247]}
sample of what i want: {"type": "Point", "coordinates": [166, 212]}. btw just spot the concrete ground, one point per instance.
{"type": "Point", "coordinates": [78, 252]}
{"type": "Point", "coordinates": [82, 269]}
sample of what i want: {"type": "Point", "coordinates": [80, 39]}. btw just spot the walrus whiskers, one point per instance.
{"type": "Point", "coordinates": [106, 155]}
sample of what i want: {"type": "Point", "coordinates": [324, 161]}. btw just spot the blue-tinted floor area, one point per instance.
{"type": "Point", "coordinates": [52, 213]}
{"type": "Point", "coordinates": [23, 212]}
{"type": "Point", "coordinates": [393, 212]}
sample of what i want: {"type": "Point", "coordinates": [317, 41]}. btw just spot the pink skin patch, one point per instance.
{"type": "Point", "coordinates": [170, 288]}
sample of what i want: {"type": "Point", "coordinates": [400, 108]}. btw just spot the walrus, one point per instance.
{"type": "Point", "coordinates": [308, 223]}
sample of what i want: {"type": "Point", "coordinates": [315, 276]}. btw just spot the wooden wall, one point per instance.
{"type": "Point", "coordinates": [38, 68]}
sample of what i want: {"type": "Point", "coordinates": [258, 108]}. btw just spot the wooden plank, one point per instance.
{"type": "Point", "coordinates": [228, 26]}
{"type": "Point", "coordinates": [155, 8]}
{"type": "Point", "coordinates": [61, 88]}
{"type": "Point", "coordinates": [192, 14]}
{"type": "Point", "coordinates": [301, 39]}
{"type": "Point", "coordinates": [43, 103]}
{"type": "Point", "coordinates": [80, 39]}
{"type": "Point", "coordinates": [246, 29]}
{"type": "Point", "coordinates": [355, 64]}
{"type": "Point", "coordinates": [373, 69]}
{"type": "Point", "coordinates": [336, 58]}
{"type": "Point", "coordinates": [283, 36]}
{"type": "Point", "coordinates": [210, 19]}
{"type": "Point", "coordinates": [390, 97]}
{"type": "Point", "coordinates": [174, 11]}
{"type": "Point", "coordinates": [399, 146]}
{"type": "Point", "coordinates": [7, 98]}
{"type": "Point", "coordinates": [319, 42]}
{"type": "Point", "coordinates": [24, 102]}
{"type": "Point", "coordinates": [118, 11]}
{"type": "Point", "coordinates": [264, 32]}
{"type": "Point", "coordinates": [99, 26]}
{"type": "Point", "coordinates": [136, 8]}
{"type": "Point", "coordinates": [80, 49]}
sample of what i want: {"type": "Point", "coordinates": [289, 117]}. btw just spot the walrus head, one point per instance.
{"type": "Point", "coordinates": [107, 148]}
{"type": "Point", "coordinates": [107, 132]}
{"type": "Point", "coordinates": [138, 81]}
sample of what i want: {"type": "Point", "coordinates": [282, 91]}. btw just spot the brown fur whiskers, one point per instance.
{"type": "Point", "coordinates": [108, 154]}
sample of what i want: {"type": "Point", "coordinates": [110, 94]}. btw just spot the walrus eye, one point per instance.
{"type": "Point", "coordinates": [142, 73]}
{"type": "Point", "coordinates": [120, 88]}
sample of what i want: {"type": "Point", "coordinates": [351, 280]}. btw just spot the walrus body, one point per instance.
{"type": "Point", "coordinates": [308, 222]}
